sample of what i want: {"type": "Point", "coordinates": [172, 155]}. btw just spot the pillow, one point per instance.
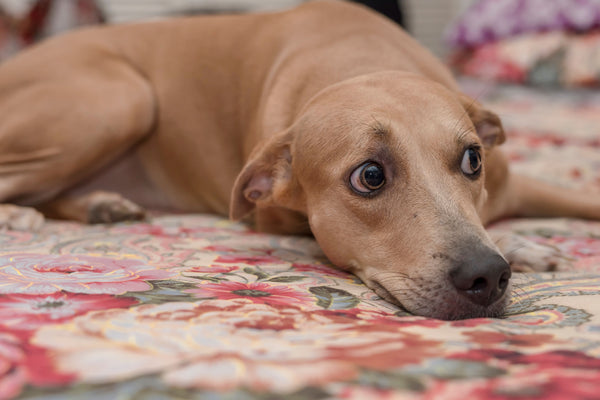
{"type": "Point", "coordinates": [44, 18]}
{"type": "Point", "coordinates": [547, 59]}
{"type": "Point", "coordinates": [10, 42]}
{"type": "Point", "coordinates": [489, 20]}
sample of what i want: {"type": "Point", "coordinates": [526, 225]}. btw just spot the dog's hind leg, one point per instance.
{"type": "Point", "coordinates": [20, 218]}
{"type": "Point", "coordinates": [513, 195]}
{"type": "Point", "coordinates": [65, 119]}
{"type": "Point", "coordinates": [97, 207]}
{"type": "Point", "coordinates": [522, 196]}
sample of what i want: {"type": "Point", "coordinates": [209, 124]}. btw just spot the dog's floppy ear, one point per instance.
{"type": "Point", "coordinates": [487, 124]}
{"type": "Point", "coordinates": [266, 179]}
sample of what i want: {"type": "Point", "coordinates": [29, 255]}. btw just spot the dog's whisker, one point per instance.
{"type": "Point", "coordinates": [515, 249]}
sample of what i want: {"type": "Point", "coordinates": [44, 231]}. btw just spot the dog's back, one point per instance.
{"type": "Point", "coordinates": [203, 91]}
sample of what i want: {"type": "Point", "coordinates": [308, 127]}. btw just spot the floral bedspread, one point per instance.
{"type": "Point", "coordinates": [197, 307]}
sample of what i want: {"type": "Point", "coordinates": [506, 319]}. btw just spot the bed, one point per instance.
{"type": "Point", "coordinates": [195, 306]}
{"type": "Point", "coordinates": [199, 307]}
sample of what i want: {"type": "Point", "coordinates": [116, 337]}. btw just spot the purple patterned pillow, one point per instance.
{"type": "Point", "coordinates": [489, 20]}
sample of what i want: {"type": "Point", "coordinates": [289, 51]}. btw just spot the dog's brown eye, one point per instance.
{"type": "Point", "coordinates": [471, 162]}
{"type": "Point", "coordinates": [367, 178]}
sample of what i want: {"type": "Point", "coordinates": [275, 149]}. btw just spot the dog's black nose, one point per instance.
{"type": "Point", "coordinates": [482, 277]}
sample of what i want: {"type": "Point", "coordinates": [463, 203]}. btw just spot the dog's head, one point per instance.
{"type": "Point", "coordinates": [389, 169]}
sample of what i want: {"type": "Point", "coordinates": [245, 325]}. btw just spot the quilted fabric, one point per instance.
{"type": "Point", "coordinates": [197, 307]}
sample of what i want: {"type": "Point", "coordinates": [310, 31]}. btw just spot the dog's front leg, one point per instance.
{"type": "Point", "coordinates": [525, 255]}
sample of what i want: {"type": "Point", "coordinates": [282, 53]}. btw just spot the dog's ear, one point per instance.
{"type": "Point", "coordinates": [487, 124]}
{"type": "Point", "coordinates": [266, 179]}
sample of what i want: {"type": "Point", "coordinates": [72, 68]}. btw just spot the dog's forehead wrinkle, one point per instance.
{"type": "Point", "coordinates": [463, 135]}
{"type": "Point", "coordinates": [433, 133]}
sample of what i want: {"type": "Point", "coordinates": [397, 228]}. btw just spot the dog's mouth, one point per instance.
{"type": "Point", "coordinates": [440, 303]}
{"type": "Point", "coordinates": [385, 294]}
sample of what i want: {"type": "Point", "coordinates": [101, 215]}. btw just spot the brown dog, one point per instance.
{"type": "Point", "coordinates": [326, 114]}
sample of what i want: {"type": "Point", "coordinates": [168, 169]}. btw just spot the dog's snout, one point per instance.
{"type": "Point", "coordinates": [483, 279]}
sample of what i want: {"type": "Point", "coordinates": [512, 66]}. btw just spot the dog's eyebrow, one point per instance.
{"type": "Point", "coordinates": [379, 129]}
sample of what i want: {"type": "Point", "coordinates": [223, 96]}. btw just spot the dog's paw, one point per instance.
{"type": "Point", "coordinates": [526, 256]}
{"type": "Point", "coordinates": [105, 207]}
{"type": "Point", "coordinates": [20, 218]}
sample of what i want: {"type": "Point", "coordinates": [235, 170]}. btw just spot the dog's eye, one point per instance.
{"type": "Point", "coordinates": [367, 178]}
{"type": "Point", "coordinates": [471, 162]}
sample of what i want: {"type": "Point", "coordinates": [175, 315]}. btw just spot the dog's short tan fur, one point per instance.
{"type": "Point", "coordinates": [270, 114]}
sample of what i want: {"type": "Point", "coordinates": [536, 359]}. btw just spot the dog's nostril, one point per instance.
{"type": "Point", "coordinates": [479, 285]}
{"type": "Point", "coordinates": [482, 279]}
{"type": "Point", "coordinates": [504, 279]}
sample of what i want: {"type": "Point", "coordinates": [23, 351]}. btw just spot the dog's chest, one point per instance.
{"type": "Point", "coordinates": [127, 177]}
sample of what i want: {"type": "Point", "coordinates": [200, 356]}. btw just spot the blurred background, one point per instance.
{"type": "Point", "coordinates": [550, 43]}
{"type": "Point", "coordinates": [426, 19]}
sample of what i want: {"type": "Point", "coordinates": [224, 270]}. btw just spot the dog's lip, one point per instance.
{"type": "Point", "coordinates": [494, 310]}
{"type": "Point", "coordinates": [385, 294]}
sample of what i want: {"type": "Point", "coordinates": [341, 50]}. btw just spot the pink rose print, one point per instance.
{"type": "Point", "coordinates": [45, 274]}
{"type": "Point", "coordinates": [551, 384]}
{"type": "Point", "coordinates": [251, 260]}
{"type": "Point", "coordinates": [524, 340]}
{"type": "Point", "coordinates": [22, 363]}
{"type": "Point", "coordinates": [28, 312]}
{"type": "Point", "coordinates": [275, 348]}
{"type": "Point", "coordinates": [257, 292]}
{"type": "Point", "coordinates": [157, 230]}
{"type": "Point", "coordinates": [211, 269]}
